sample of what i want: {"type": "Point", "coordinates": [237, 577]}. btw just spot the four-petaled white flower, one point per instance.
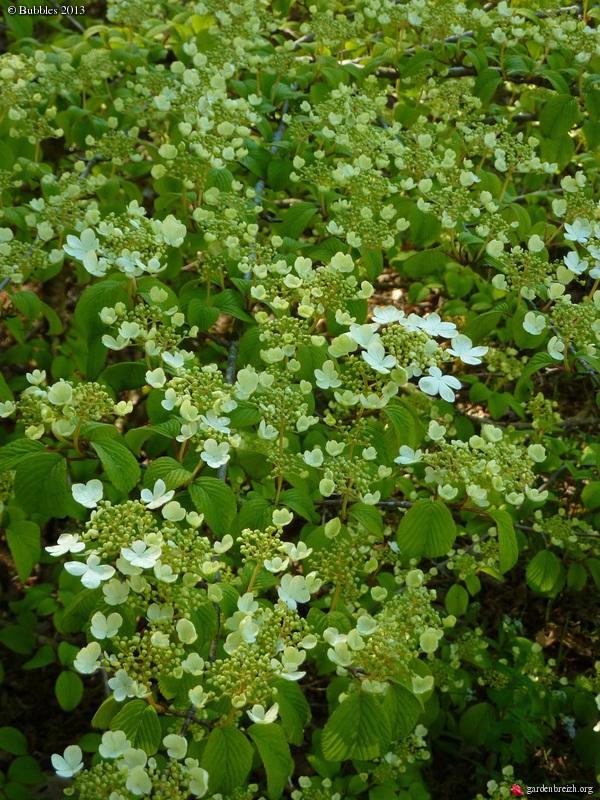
{"type": "Point", "coordinates": [83, 248]}
{"type": "Point", "coordinates": [259, 716]}
{"type": "Point", "coordinates": [215, 454]}
{"type": "Point", "coordinates": [534, 323]}
{"type": "Point", "coordinates": [408, 455]}
{"type": "Point", "coordinates": [293, 590]}
{"type": "Point", "coordinates": [157, 497]}
{"type": "Point", "coordinates": [121, 685]}
{"type": "Point", "coordinates": [69, 763]}
{"type": "Point", "coordinates": [377, 359]}
{"type": "Point", "coordinates": [88, 494]}
{"type": "Point", "coordinates": [176, 745]}
{"type": "Point", "coordinates": [462, 347]}
{"type": "Point", "coordinates": [114, 744]}
{"type": "Point", "coordinates": [92, 572]}
{"type": "Point", "coordinates": [434, 326]}
{"type": "Point", "coordinates": [384, 316]}
{"type": "Point", "coordinates": [141, 555]}
{"type": "Point", "coordinates": [580, 231]}
{"type": "Point", "coordinates": [67, 543]}
{"type": "Point", "coordinates": [436, 383]}
{"type": "Point", "coordinates": [328, 378]}
{"type": "Point", "coordinates": [86, 661]}
{"type": "Point", "coordinates": [105, 627]}
{"type": "Point", "coordinates": [574, 263]}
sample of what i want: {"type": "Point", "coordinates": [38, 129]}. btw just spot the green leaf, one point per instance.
{"type": "Point", "coordinates": [457, 600]}
{"type": "Point", "coordinates": [301, 503]}
{"type": "Point", "coordinates": [169, 470]}
{"type": "Point", "coordinates": [13, 741]}
{"type": "Point", "coordinates": [409, 430]}
{"type": "Point", "coordinates": [227, 758]}
{"type": "Point", "coordinates": [476, 723]}
{"type": "Point", "coordinates": [359, 728]}
{"type": "Point", "coordinates": [427, 262]}
{"type": "Point", "coordinates": [201, 314]}
{"type": "Point", "coordinates": [69, 690]}
{"type": "Point", "coordinates": [559, 115]}
{"type": "Point", "coordinates": [141, 725]}
{"type": "Point", "coordinates": [119, 463]}
{"type": "Point", "coordinates": [427, 529]}
{"type": "Point", "coordinates": [591, 495]}
{"type": "Point", "coordinates": [103, 717]}
{"type": "Point", "coordinates": [79, 609]}
{"type": "Point", "coordinates": [293, 709]}
{"type": "Point", "coordinates": [26, 769]}
{"type": "Point", "coordinates": [543, 572]}
{"type": "Point", "coordinates": [15, 452]}
{"type": "Point", "coordinates": [368, 516]}
{"type": "Point", "coordinates": [576, 576]}
{"type": "Point", "coordinates": [275, 754]}
{"type": "Point", "coordinates": [509, 549]}
{"type": "Point", "coordinates": [232, 303]}
{"type": "Point", "coordinates": [404, 709]}
{"type": "Point", "coordinates": [18, 638]}
{"type": "Point", "coordinates": [41, 483]}
{"type": "Point", "coordinates": [216, 501]}
{"type": "Point", "coordinates": [537, 362]}
{"type": "Point", "coordinates": [28, 304]}
{"type": "Point", "coordinates": [296, 219]}
{"type": "Point", "coordinates": [486, 84]}
{"type": "Point", "coordinates": [23, 538]}
{"type": "Point", "coordinates": [126, 375]}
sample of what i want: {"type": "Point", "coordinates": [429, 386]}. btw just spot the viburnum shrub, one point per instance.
{"type": "Point", "coordinates": [299, 468]}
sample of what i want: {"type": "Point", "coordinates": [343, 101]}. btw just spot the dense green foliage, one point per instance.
{"type": "Point", "coordinates": [299, 468]}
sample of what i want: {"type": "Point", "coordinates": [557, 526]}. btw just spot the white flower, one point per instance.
{"type": "Point", "coordinates": [140, 555]}
{"type": "Point", "coordinates": [573, 262]}
{"type": "Point", "coordinates": [158, 496]}
{"type": "Point", "coordinates": [215, 454]}
{"type": "Point", "coordinates": [115, 592]}
{"type": "Point", "coordinates": [377, 359]}
{"type": "Point", "coordinates": [408, 455]}
{"type": "Point", "coordinates": [176, 745]}
{"type": "Point", "coordinates": [69, 763]}
{"type": "Point", "coordinates": [88, 494]}
{"type": "Point", "coordinates": [197, 697]}
{"type": "Point", "coordinates": [580, 231]}
{"type": "Point", "coordinates": [422, 685]}
{"type": "Point", "coordinates": [282, 517]}
{"type": "Point", "coordinates": [314, 457]}
{"type": "Point", "coordinates": [92, 572]}
{"type": "Point", "coordinates": [186, 631]}
{"type": "Point", "coordinates": [114, 744]}
{"type": "Point", "coordinates": [535, 244]}
{"type": "Point", "coordinates": [440, 384]}
{"type": "Point", "coordinates": [86, 660]}
{"type": "Point", "coordinates": [276, 564]}
{"type": "Point", "coordinates": [83, 248]}
{"type": "Point", "coordinates": [384, 316]}
{"type": "Point", "coordinates": [259, 716]}
{"type": "Point", "coordinates": [121, 685]}
{"type": "Point", "coordinates": [105, 627]}
{"type": "Point", "coordinates": [212, 420]}
{"type": "Point", "coordinates": [534, 323]}
{"type": "Point", "coordinates": [364, 335]}
{"type": "Point", "coordinates": [462, 347]}
{"type": "Point", "coordinates": [293, 590]}
{"type": "Point", "coordinates": [436, 431]}
{"type": "Point", "coordinates": [327, 378]}
{"type": "Point", "coordinates": [173, 511]}
{"type": "Point", "coordinates": [7, 408]}
{"type": "Point", "coordinates": [434, 326]}
{"type": "Point", "coordinates": [67, 543]}
{"type": "Point", "coordinates": [198, 781]}
{"type": "Point", "coordinates": [296, 552]}
{"type": "Point", "coordinates": [138, 781]}
{"type": "Point", "coordinates": [193, 664]}
{"type": "Point", "coordinates": [556, 348]}
{"type": "Point", "coordinates": [173, 232]}
{"type": "Point", "coordinates": [60, 393]}
{"type": "Point", "coordinates": [156, 378]}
